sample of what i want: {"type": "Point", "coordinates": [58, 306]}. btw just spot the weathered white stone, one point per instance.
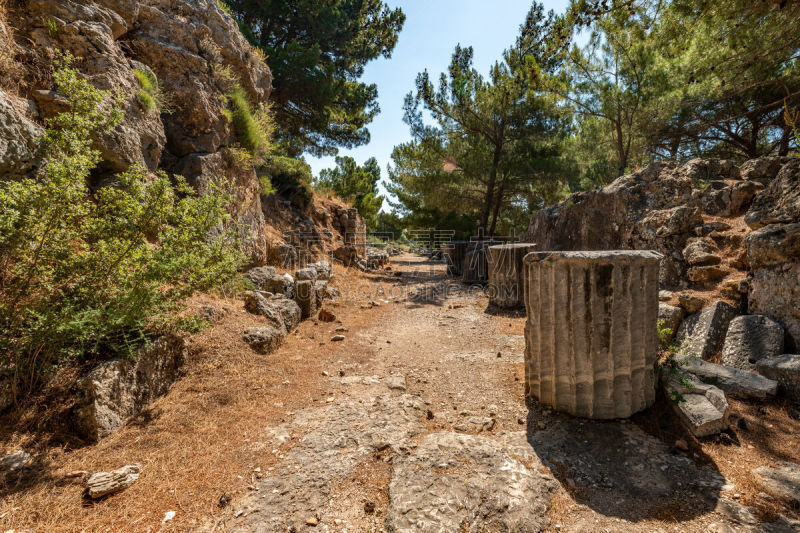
{"type": "Point", "coordinates": [396, 382]}
{"type": "Point", "coordinates": [15, 461]}
{"type": "Point", "coordinates": [702, 334]}
{"type": "Point", "coordinates": [105, 483]}
{"type": "Point", "coordinates": [506, 274]}
{"type": "Point", "coordinates": [591, 336]}
{"type": "Point", "coordinates": [785, 369]}
{"type": "Point", "coordinates": [264, 339]}
{"type": "Point", "coordinates": [702, 408]}
{"type": "Point", "coordinates": [737, 383]}
{"type": "Point", "coordinates": [751, 338]}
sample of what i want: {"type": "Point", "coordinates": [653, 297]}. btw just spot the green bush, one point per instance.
{"type": "Point", "coordinates": [291, 178]}
{"type": "Point", "coordinates": [93, 275]}
{"type": "Point", "coordinates": [150, 94]}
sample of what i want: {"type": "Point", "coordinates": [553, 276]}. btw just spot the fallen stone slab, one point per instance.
{"type": "Point", "coordinates": [750, 338]}
{"type": "Point", "coordinates": [702, 408]}
{"type": "Point", "coordinates": [781, 481]}
{"type": "Point", "coordinates": [737, 383]}
{"type": "Point", "coordinates": [121, 388]}
{"type": "Point", "coordinates": [703, 334]}
{"type": "Point", "coordinates": [455, 482]}
{"type": "Point", "coordinates": [105, 483]}
{"type": "Point", "coordinates": [785, 369]}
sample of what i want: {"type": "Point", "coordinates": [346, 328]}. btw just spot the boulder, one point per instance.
{"type": "Point", "coordinates": [670, 317]}
{"type": "Point", "coordinates": [785, 369]}
{"type": "Point", "coordinates": [781, 481]}
{"type": "Point", "coordinates": [690, 303]}
{"type": "Point", "coordinates": [121, 388]}
{"type": "Point", "coordinates": [701, 251]}
{"type": "Point", "coordinates": [735, 382]}
{"type": "Point", "coordinates": [751, 338]}
{"type": "Point", "coordinates": [261, 277]}
{"type": "Point", "coordinates": [323, 269]}
{"type": "Point", "coordinates": [282, 313]}
{"type": "Point", "coordinates": [264, 339]}
{"type": "Point", "coordinates": [761, 170]}
{"type": "Point", "coordinates": [703, 333]}
{"type": "Point", "coordinates": [773, 245]}
{"type": "Point", "coordinates": [306, 274]}
{"type": "Point", "coordinates": [104, 483]}
{"type": "Point", "coordinates": [701, 274]}
{"type": "Point", "coordinates": [679, 221]}
{"type": "Point", "coordinates": [779, 202]}
{"type": "Point", "coordinates": [702, 408]}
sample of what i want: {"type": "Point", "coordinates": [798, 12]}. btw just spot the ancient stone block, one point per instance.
{"type": "Point", "coordinates": [454, 253]}
{"type": "Point", "coordinates": [476, 264]}
{"type": "Point", "coordinates": [735, 382]}
{"type": "Point", "coordinates": [264, 339]}
{"type": "Point", "coordinates": [591, 337]}
{"type": "Point", "coordinates": [306, 297]}
{"type": "Point", "coordinates": [105, 483]}
{"type": "Point", "coordinates": [703, 334]}
{"type": "Point", "coordinates": [702, 408]}
{"type": "Point", "coordinates": [506, 274]}
{"type": "Point", "coordinates": [750, 338]}
{"type": "Point", "coordinates": [785, 369]}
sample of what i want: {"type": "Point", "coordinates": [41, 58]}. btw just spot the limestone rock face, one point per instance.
{"type": "Point", "coordinates": [506, 281]}
{"type": "Point", "coordinates": [775, 292]}
{"type": "Point", "coordinates": [781, 481]}
{"type": "Point", "coordinates": [779, 202]}
{"type": "Point", "coordinates": [773, 245]}
{"type": "Point", "coordinates": [119, 389]}
{"type": "Point", "coordinates": [703, 334]}
{"type": "Point", "coordinates": [590, 338]}
{"type": "Point", "coordinates": [17, 138]}
{"type": "Point", "coordinates": [751, 338]}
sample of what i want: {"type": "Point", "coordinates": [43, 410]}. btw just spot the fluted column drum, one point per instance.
{"type": "Point", "coordinates": [591, 336]}
{"type": "Point", "coordinates": [506, 274]}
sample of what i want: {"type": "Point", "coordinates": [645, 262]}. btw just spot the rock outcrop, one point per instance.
{"type": "Point", "coordinates": [184, 44]}
{"type": "Point", "coordinates": [590, 337]}
{"type": "Point", "coordinates": [121, 388]}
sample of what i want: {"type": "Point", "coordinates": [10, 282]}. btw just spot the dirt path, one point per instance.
{"type": "Point", "coordinates": [422, 425]}
{"type": "Point", "coordinates": [416, 421]}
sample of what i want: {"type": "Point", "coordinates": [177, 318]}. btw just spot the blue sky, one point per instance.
{"type": "Point", "coordinates": [431, 32]}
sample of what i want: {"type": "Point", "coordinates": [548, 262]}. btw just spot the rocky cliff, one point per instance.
{"type": "Point", "coordinates": [183, 43]}
{"type": "Point", "coordinates": [725, 231]}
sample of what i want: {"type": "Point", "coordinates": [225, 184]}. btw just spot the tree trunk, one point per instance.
{"type": "Point", "coordinates": [497, 204]}
{"type": "Point", "coordinates": [487, 208]}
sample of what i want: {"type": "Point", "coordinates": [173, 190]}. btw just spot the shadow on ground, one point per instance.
{"type": "Point", "coordinates": [619, 470]}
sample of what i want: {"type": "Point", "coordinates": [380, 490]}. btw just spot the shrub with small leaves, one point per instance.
{"type": "Point", "coordinates": [92, 274]}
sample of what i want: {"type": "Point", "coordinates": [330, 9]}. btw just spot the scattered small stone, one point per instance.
{"type": "Point", "coordinates": [742, 424]}
{"type": "Point", "coordinates": [15, 461]}
{"type": "Point", "coordinates": [341, 373]}
{"type": "Point", "coordinates": [571, 483]}
{"type": "Point", "coordinates": [539, 424]}
{"type": "Point", "coordinates": [396, 382]}
{"type": "Point", "coordinates": [326, 316]}
{"type": "Point", "coordinates": [105, 483]}
{"type": "Point", "coordinates": [520, 421]}
{"type": "Point", "coordinates": [337, 338]}
{"type": "Point", "coordinates": [224, 500]}
{"type": "Point", "coordinates": [429, 415]}
{"type": "Point", "coordinates": [682, 445]}
{"type": "Point", "coordinates": [312, 521]}
{"type": "Point", "coordinates": [325, 373]}
{"type": "Point", "coordinates": [341, 329]}
{"type": "Point", "coordinates": [369, 505]}
{"type": "Point", "coordinates": [76, 473]}
{"type": "Point", "coordinates": [499, 354]}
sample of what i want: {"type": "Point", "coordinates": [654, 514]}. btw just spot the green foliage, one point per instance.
{"type": "Point", "coordinates": [317, 52]}
{"type": "Point", "coordinates": [253, 128]}
{"type": "Point", "coordinates": [52, 27]}
{"type": "Point", "coordinates": [150, 94]}
{"type": "Point", "coordinates": [356, 184]}
{"type": "Point", "coordinates": [290, 178]}
{"type": "Point", "coordinates": [192, 323]}
{"type": "Point", "coordinates": [92, 274]}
